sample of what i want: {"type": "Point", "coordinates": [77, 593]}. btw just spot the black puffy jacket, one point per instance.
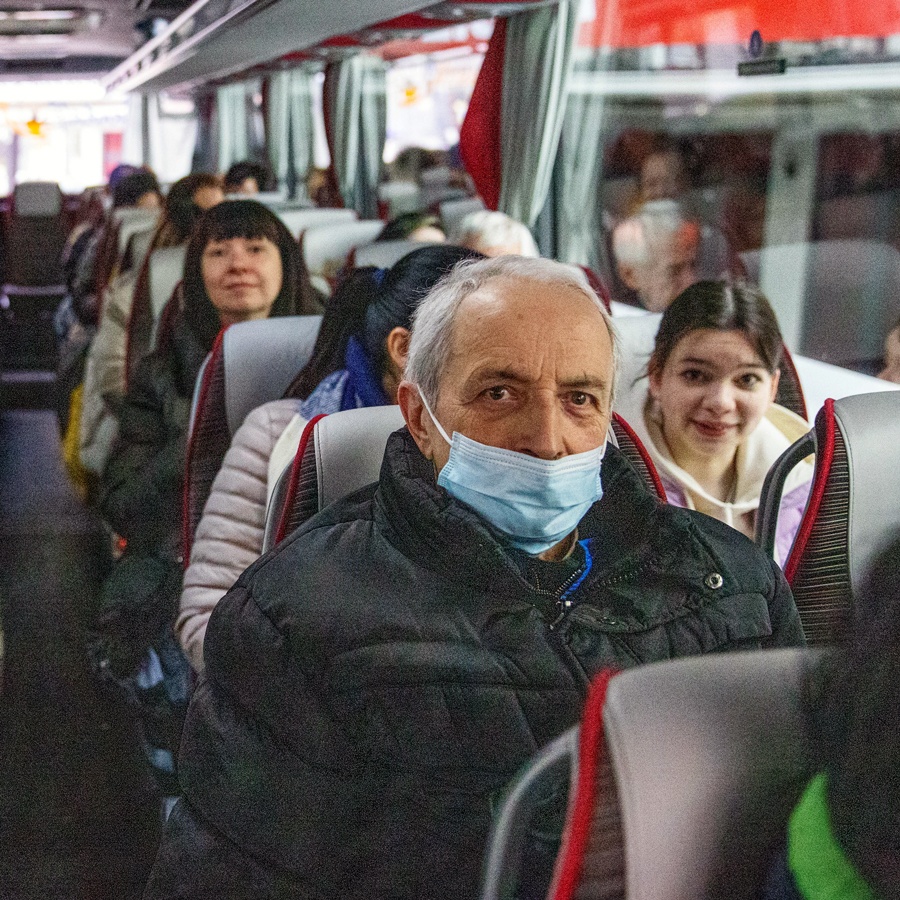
{"type": "Point", "coordinates": [374, 682]}
{"type": "Point", "coordinates": [141, 492]}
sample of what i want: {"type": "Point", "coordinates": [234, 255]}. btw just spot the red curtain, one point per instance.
{"type": "Point", "coordinates": [479, 137]}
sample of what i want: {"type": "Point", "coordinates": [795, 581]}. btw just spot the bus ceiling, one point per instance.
{"type": "Point", "coordinates": [214, 39]}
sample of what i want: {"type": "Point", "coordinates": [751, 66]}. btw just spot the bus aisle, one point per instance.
{"type": "Point", "coordinates": [77, 811]}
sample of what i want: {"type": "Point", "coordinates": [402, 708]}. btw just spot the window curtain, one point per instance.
{"type": "Point", "coordinates": [291, 127]}
{"type": "Point", "coordinates": [580, 233]}
{"type": "Point", "coordinates": [537, 71]}
{"type": "Point", "coordinates": [233, 125]}
{"type": "Point", "coordinates": [356, 120]}
{"type": "Point", "coordinates": [163, 142]}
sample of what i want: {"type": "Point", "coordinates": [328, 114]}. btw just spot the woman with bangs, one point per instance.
{"type": "Point", "coordinates": [242, 264]}
{"type": "Point", "coordinates": [706, 410]}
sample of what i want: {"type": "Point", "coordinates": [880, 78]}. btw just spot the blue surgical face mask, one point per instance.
{"type": "Point", "coordinates": [535, 503]}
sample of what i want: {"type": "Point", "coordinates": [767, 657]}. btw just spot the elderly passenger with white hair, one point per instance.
{"type": "Point", "coordinates": [373, 684]}
{"type": "Point", "coordinates": [656, 252]}
{"type": "Point", "coordinates": [494, 234]}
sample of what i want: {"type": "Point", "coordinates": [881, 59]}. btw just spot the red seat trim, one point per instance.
{"type": "Point", "coordinates": [296, 465]}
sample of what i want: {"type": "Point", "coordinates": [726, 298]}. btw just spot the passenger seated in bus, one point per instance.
{"type": "Point", "coordinates": [414, 226]}
{"type": "Point", "coordinates": [246, 178]}
{"type": "Point", "coordinates": [494, 234]}
{"type": "Point", "coordinates": [891, 370]}
{"type": "Point", "coordinates": [242, 263]}
{"type": "Point", "coordinates": [656, 253]}
{"type": "Point", "coordinates": [706, 410]}
{"type": "Point", "coordinates": [373, 685]}
{"type": "Point", "coordinates": [104, 377]}
{"type": "Point", "coordinates": [843, 837]}
{"type": "Point", "coordinates": [663, 174]}
{"type": "Point", "coordinates": [357, 361]}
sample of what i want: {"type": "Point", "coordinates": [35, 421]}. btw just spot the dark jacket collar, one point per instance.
{"type": "Point", "coordinates": [429, 526]}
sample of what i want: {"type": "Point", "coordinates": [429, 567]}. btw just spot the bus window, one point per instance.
{"type": "Point", "coordinates": [775, 131]}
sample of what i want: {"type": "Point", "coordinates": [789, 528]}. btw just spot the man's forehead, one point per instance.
{"type": "Point", "coordinates": [520, 297]}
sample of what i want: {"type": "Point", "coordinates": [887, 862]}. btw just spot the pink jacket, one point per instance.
{"type": "Point", "coordinates": [229, 537]}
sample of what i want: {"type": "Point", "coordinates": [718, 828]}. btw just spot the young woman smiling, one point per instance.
{"type": "Point", "coordinates": [708, 416]}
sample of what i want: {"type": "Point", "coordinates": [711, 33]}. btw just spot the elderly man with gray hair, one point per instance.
{"type": "Point", "coordinates": [656, 252]}
{"type": "Point", "coordinates": [374, 683]}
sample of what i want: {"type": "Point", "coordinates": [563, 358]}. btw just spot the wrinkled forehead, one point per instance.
{"type": "Point", "coordinates": [537, 319]}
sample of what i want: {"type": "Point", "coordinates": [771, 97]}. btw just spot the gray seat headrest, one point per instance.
{"type": "Point", "coordinates": [297, 220]}
{"type": "Point", "coordinates": [327, 246]}
{"type": "Point", "coordinates": [37, 199]}
{"type": "Point", "coordinates": [165, 271]}
{"type": "Point", "coordinates": [870, 427]}
{"type": "Point", "coordinates": [709, 755]}
{"type": "Point", "coordinates": [261, 359]}
{"type": "Point", "coordinates": [385, 253]}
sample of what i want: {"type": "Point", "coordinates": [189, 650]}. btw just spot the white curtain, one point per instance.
{"type": "Point", "coordinates": [233, 125]}
{"type": "Point", "coordinates": [358, 113]}
{"type": "Point", "coordinates": [537, 71]}
{"type": "Point", "coordinates": [291, 129]}
{"type": "Point", "coordinates": [164, 142]}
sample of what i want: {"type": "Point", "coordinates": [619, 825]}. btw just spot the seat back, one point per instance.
{"type": "Point", "coordinates": [326, 247]}
{"type": "Point", "coordinates": [250, 364]}
{"type": "Point", "coordinates": [384, 254]}
{"type": "Point", "coordinates": [400, 197]}
{"type": "Point", "coordinates": [35, 236]}
{"type": "Point", "coordinates": [452, 212]}
{"type": "Point", "coordinates": [851, 299]}
{"type": "Point", "coordinates": [341, 453]}
{"type": "Point", "coordinates": [708, 756]}
{"type": "Point", "coordinates": [852, 513]}
{"type": "Point", "coordinates": [298, 220]}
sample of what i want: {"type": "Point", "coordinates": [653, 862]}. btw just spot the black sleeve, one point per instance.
{"type": "Point", "coordinates": [142, 484]}
{"type": "Point", "coordinates": [786, 628]}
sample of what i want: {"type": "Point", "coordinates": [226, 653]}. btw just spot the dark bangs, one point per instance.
{"type": "Point", "coordinates": [241, 219]}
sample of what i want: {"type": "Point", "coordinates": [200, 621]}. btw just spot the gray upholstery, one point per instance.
{"type": "Point", "coordinates": [454, 211]}
{"type": "Point", "coordinates": [298, 220]}
{"type": "Point", "coordinates": [131, 229]}
{"type": "Point", "coordinates": [129, 214]}
{"type": "Point", "coordinates": [37, 199]}
{"type": "Point", "coordinates": [709, 755]}
{"type": "Point", "coordinates": [139, 247]}
{"type": "Point", "coordinates": [385, 253]}
{"type": "Point", "coordinates": [870, 427]}
{"type": "Point", "coordinates": [636, 337]}
{"type": "Point", "coordinates": [401, 197]}
{"type": "Point", "coordinates": [261, 359]}
{"type": "Point", "coordinates": [852, 296]}
{"type": "Point", "coordinates": [553, 765]}
{"type": "Point", "coordinates": [166, 270]}
{"type": "Point", "coordinates": [326, 247]}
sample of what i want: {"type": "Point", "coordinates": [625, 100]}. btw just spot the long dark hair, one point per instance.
{"type": "Point", "coordinates": [369, 305]}
{"type": "Point", "coordinates": [242, 219]}
{"type": "Point", "coordinates": [722, 306]}
{"type": "Point", "coordinates": [180, 212]}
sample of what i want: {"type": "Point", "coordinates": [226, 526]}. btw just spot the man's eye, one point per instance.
{"type": "Point", "coordinates": [497, 393]}
{"type": "Point", "coordinates": [580, 398]}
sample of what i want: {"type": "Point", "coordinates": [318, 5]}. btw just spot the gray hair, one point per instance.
{"type": "Point", "coordinates": [486, 229]}
{"type": "Point", "coordinates": [431, 342]}
{"type": "Point", "coordinates": [657, 222]}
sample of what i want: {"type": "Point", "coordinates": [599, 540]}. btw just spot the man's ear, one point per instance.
{"type": "Point", "coordinates": [417, 419]}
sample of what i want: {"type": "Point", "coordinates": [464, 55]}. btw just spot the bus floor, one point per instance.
{"type": "Point", "coordinates": [79, 817]}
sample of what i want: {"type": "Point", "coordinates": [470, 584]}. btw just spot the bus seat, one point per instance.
{"type": "Point", "coordinates": [852, 511]}
{"type": "Point", "coordinates": [637, 334]}
{"type": "Point", "coordinates": [326, 247]}
{"type": "Point", "coordinates": [383, 254]}
{"type": "Point", "coordinates": [35, 237]}
{"type": "Point", "coordinates": [165, 270]}
{"type": "Point", "coordinates": [298, 220]}
{"type": "Point", "coordinates": [688, 770]}
{"type": "Point", "coordinates": [37, 200]}
{"type": "Point", "coordinates": [341, 453]}
{"type": "Point", "coordinates": [250, 364]}
{"type": "Point", "coordinates": [452, 212]}
{"type": "Point", "coordinates": [401, 197]}
{"type": "Point", "coordinates": [869, 215]}
{"type": "Point", "coordinates": [852, 296]}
